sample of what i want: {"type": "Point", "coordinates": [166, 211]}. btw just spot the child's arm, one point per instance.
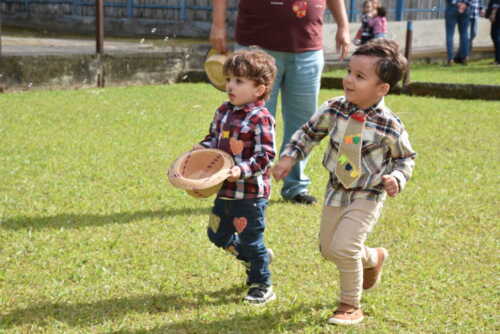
{"type": "Point", "coordinates": [403, 158]}
{"type": "Point", "coordinates": [264, 153]}
{"type": "Point", "coordinates": [283, 167]}
{"type": "Point", "coordinates": [304, 139]}
{"type": "Point", "coordinates": [210, 140]}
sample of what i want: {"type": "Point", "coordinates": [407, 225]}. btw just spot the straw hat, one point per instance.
{"type": "Point", "coordinates": [201, 172]}
{"type": "Point", "coordinates": [214, 65]}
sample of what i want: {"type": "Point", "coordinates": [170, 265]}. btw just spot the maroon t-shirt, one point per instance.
{"type": "Point", "coordinates": [281, 25]}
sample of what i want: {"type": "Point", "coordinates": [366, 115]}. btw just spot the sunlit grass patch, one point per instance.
{"type": "Point", "coordinates": [94, 239]}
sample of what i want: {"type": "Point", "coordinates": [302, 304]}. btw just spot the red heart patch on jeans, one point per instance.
{"type": "Point", "coordinates": [240, 224]}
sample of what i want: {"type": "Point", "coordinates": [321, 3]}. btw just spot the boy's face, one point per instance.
{"type": "Point", "coordinates": [241, 90]}
{"type": "Point", "coordinates": [362, 85]}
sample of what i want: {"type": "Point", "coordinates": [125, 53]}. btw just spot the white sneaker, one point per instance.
{"type": "Point", "coordinates": [260, 294]}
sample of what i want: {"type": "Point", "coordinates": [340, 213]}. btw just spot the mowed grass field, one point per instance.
{"type": "Point", "coordinates": [93, 239]}
{"type": "Point", "coordinates": [479, 72]}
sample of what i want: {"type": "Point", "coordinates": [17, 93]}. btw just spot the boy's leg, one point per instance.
{"type": "Point", "coordinates": [342, 235]}
{"type": "Point", "coordinates": [249, 221]}
{"type": "Point", "coordinates": [221, 230]}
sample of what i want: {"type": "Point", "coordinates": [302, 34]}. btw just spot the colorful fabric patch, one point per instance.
{"type": "Point", "coordinates": [232, 250]}
{"type": "Point", "coordinates": [348, 166]}
{"type": "Point", "coordinates": [300, 8]}
{"type": "Point", "coordinates": [214, 222]}
{"type": "Point", "coordinates": [342, 159]}
{"type": "Point", "coordinates": [240, 223]}
{"type": "Point", "coordinates": [225, 134]}
{"type": "Point", "coordinates": [355, 173]}
{"type": "Point", "coordinates": [359, 116]}
{"type": "Point", "coordinates": [236, 146]}
{"type": "Point", "coordinates": [354, 139]}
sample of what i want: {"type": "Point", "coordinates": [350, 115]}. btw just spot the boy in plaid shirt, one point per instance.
{"type": "Point", "coordinates": [244, 128]}
{"type": "Point", "coordinates": [364, 165]}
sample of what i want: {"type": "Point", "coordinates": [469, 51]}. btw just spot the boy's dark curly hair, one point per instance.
{"type": "Point", "coordinates": [255, 65]}
{"type": "Point", "coordinates": [392, 64]}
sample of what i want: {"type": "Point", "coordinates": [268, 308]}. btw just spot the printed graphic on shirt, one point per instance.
{"type": "Point", "coordinates": [240, 223]}
{"type": "Point", "coordinates": [300, 8]}
{"type": "Point", "coordinates": [214, 222]}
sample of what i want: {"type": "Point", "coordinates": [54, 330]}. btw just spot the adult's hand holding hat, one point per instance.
{"type": "Point", "coordinates": [214, 65]}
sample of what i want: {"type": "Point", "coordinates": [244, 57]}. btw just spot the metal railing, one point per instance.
{"type": "Point", "coordinates": [183, 6]}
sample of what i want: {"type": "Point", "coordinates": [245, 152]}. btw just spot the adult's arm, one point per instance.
{"type": "Point", "coordinates": [342, 39]}
{"type": "Point", "coordinates": [218, 29]}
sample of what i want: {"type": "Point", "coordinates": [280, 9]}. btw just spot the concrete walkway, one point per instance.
{"type": "Point", "coordinates": [31, 46]}
{"type": "Point", "coordinates": [55, 63]}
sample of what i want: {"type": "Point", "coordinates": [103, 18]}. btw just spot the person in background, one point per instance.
{"type": "Point", "coordinates": [365, 32]}
{"type": "Point", "coordinates": [476, 11]}
{"type": "Point", "coordinates": [493, 14]}
{"type": "Point", "coordinates": [379, 23]}
{"type": "Point", "coordinates": [457, 13]}
{"type": "Point", "coordinates": [291, 32]}
{"type": "Point", "coordinates": [375, 5]}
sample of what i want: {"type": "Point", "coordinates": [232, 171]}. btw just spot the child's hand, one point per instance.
{"type": "Point", "coordinates": [197, 147]}
{"type": "Point", "coordinates": [282, 168]}
{"type": "Point", "coordinates": [391, 185]}
{"type": "Point", "coordinates": [234, 174]}
{"type": "Point", "coordinates": [461, 7]}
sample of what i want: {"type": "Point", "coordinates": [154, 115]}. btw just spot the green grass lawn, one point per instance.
{"type": "Point", "coordinates": [479, 72]}
{"type": "Point", "coordinates": [93, 239]}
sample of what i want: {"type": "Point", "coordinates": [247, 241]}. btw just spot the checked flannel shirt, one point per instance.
{"type": "Point", "coordinates": [476, 6]}
{"type": "Point", "coordinates": [253, 126]}
{"type": "Point", "coordinates": [386, 149]}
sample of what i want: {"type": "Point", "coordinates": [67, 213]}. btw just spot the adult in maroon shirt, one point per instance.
{"type": "Point", "coordinates": [292, 32]}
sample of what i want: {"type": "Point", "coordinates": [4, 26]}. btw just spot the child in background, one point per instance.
{"type": "Point", "coordinates": [379, 23]}
{"type": "Point", "coordinates": [244, 128]}
{"type": "Point", "coordinates": [368, 156]}
{"type": "Point", "coordinates": [375, 5]}
{"type": "Point", "coordinates": [365, 32]}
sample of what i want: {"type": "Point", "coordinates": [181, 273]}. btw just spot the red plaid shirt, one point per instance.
{"type": "Point", "coordinates": [250, 127]}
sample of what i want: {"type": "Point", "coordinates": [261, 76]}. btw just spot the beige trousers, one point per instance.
{"type": "Point", "coordinates": [342, 238]}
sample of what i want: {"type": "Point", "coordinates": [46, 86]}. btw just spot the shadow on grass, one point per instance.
{"type": "Point", "coordinates": [77, 221]}
{"type": "Point", "coordinates": [82, 314]}
{"type": "Point", "coordinates": [91, 314]}
{"type": "Point", "coordinates": [267, 322]}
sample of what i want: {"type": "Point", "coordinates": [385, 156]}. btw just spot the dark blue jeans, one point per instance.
{"type": "Point", "coordinates": [473, 24]}
{"type": "Point", "coordinates": [453, 18]}
{"type": "Point", "coordinates": [238, 227]}
{"type": "Point", "coordinates": [495, 36]}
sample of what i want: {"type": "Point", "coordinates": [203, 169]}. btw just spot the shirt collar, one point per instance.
{"type": "Point", "coordinates": [370, 111]}
{"type": "Point", "coordinates": [247, 107]}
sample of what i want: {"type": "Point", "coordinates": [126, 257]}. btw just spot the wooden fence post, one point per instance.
{"type": "Point", "coordinates": [408, 45]}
